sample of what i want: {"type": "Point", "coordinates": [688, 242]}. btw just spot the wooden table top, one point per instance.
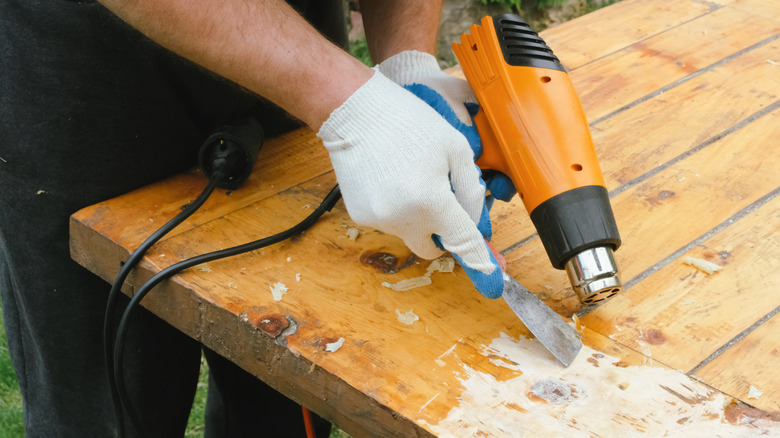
{"type": "Point", "coordinates": [682, 96]}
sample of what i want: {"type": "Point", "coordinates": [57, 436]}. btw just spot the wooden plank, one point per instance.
{"type": "Point", "coordinates": [615, 27]}
{"type": "Point", "coordinates": [466, 367]}
{"type": "Point", "coordinates": [768, 8]}
{"type": "Point", "coordinates": [747, 370]}
{"type": "Point", "coordinates": [634, 142]}
{"type": "Point", "coordinates": [647, 66]}
{"type": "Point", "coordinates": [681, 316]}
{"type": "Point", "coordinates": [687, 116]}
{"type": "Point", "coordinates": [669, 209]}
{"type": "Point", "coordinates": [283, 162]}
{"type": "Point", "coordinates": [463, 362]}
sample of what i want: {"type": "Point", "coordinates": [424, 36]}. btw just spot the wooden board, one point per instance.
{"type": "Point", "coordinates": [684, 109]}
{"type": "Point", "coordinates": [742, 369]}
{"type": "Point", "coordinates": [650, 65]}
{"type": "Point", "coordinates": [680, 315]}
{"type": "Point", "coordinates": [582, 40]}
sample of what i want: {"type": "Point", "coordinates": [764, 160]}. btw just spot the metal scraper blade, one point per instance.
{"type": "Point", "coordinates": [548, 327]}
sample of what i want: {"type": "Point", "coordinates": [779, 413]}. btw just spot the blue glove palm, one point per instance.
{"type": "Point", "coordinates": [490, 285]}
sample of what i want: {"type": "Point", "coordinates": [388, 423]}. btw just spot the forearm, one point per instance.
{"type": "Point", "coordinates": [264, 46]}
{"type": "Point", "coordinates": [393, 26]}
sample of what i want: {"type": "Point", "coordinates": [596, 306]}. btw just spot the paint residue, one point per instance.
{"type": "Point", "coordinates": [407, 318]}
{"type": "Point", "coordinates": [278, 290]}
{"type": "Point", "coordinates": [584, 401]}
{"type": "Point", "coordinates": [334, 346]}
{"type": "Point", "coordinates": [754, 393]}
{"type": "Point", "coordinates": [702, 265]}
{"type": "Point", "coordinates": [442, 264]}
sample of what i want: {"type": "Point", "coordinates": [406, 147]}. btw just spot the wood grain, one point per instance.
{"type": "Point", "coordinates": [680, 315]}
{"type": "Point", "coordinates": [683, 102]}
{"type": "Point", "coordinates": [747, 369]}
{"type": "Point", "coordinates": [628, 22]}
{"type": "Point", "coordinates": [649, 65]}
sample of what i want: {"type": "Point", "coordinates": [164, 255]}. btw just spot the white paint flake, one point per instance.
{"type": "Point", "coordinates": [701, 264]}
{"type": "Point", "coordinates": [352, 233]}
{"type": "Point", "coordinates": [203, 267]}
{"type": "Point", "coordinates": [278, 290]}
{"type": "Point", "coordinates": [407, 318]}
{"type": "Point", "coordinates": [334, 346]}
{"type": "Point", "coordinates": [754, 393]}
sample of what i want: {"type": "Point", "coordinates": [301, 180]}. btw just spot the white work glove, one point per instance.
{"type": "Point", "coordinates": [453, 98]}
{"type": "Point", "coordinates": [404, 170]}
{"type": "Point", "coordinates": [412, 67]}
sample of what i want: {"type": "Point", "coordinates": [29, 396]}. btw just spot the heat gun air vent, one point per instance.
{"type": "Point", "coordinates": [522, 46]}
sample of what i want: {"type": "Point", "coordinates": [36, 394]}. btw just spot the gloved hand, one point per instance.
{"type": "Point", "coordinates": [419, 72]}
{"type": "Point", "coordinates": [404, 170]}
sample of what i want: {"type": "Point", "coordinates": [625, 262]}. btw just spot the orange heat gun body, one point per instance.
{"type": "Point", "coordinates": [534, 130]}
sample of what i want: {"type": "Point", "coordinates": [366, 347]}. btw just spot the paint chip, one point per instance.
{"type": "Point", "coordinates": [352, 233]}
{"type": "Point", "coordinates": [754, 393]}
{"type": "Point", "coordinates": [701, 264]}
{"type": "Point", "coordinates": [407, 318]}
{"type": "Point", "coordinates": [334, 346]}
{"type": "Point", "coordinates": [409, 283]}
{"type": "Point", "coordinates": [203, 267]}
{"type": "Point", "coordinates": [278, 290]}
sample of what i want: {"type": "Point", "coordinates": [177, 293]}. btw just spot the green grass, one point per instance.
{"type": "Point", "coordinates": [359, 50]}
{"type": "Point", "coordinates": [195, 425]}
{"type": "Point", "coordinates": [11, 420]}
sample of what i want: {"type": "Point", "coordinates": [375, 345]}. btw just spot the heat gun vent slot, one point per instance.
{"type": "Point", "coordinates": [522, 46]}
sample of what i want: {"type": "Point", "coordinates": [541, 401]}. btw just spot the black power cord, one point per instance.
{"type": "Point", "coordinates": [227, 158]}
{"type": "Point", "coordinates": [326, 205]}
{"type": "Point", "coordinates": [132, 261]}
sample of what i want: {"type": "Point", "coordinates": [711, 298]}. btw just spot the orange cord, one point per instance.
{"type": "Point", "coordinates": [308, 423]}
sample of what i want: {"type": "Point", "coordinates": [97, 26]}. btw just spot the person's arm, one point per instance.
{"type": "Point", "coordinates": [393, 26]}
{"type": "Point", "coordinates": [264, 46]}
{"type": "Point", "coordinates": [401, 167]}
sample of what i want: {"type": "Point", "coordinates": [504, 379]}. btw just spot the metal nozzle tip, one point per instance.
{"type": "Point", "coordinates": [593, 274]}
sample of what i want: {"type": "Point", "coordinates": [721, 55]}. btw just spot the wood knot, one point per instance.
{"type": "Point", "coordinates": [272, 324]}
{"type": "Point", "coordinates": [385, 262]}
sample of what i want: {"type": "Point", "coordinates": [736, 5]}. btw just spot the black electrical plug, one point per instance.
{"type": "Point", "coordinates": [233, 149]}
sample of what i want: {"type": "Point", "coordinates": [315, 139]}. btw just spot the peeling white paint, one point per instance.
{"type": "Point", "coordinates": [597, 395]}
{"type": "Point", "coordinates": [352, 233]}
{"type": "Point", "coordinates": [428, 402]}
{"type": "Point", "coordinates": [407, 318]}
{"type": "Point", "coordinates": [754, 393]}
{"type": "Point", "coordinates": [334, 346]}
{"type": "Point", "coordinates": [278, 290]}
{"type": "Point", "coordinates": [701, 264]}
{"type": "Point", "coordinates": [442, 264]}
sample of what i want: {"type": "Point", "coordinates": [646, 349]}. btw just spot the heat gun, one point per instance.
{"type": "Point", "coordinates": [534, 130]}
